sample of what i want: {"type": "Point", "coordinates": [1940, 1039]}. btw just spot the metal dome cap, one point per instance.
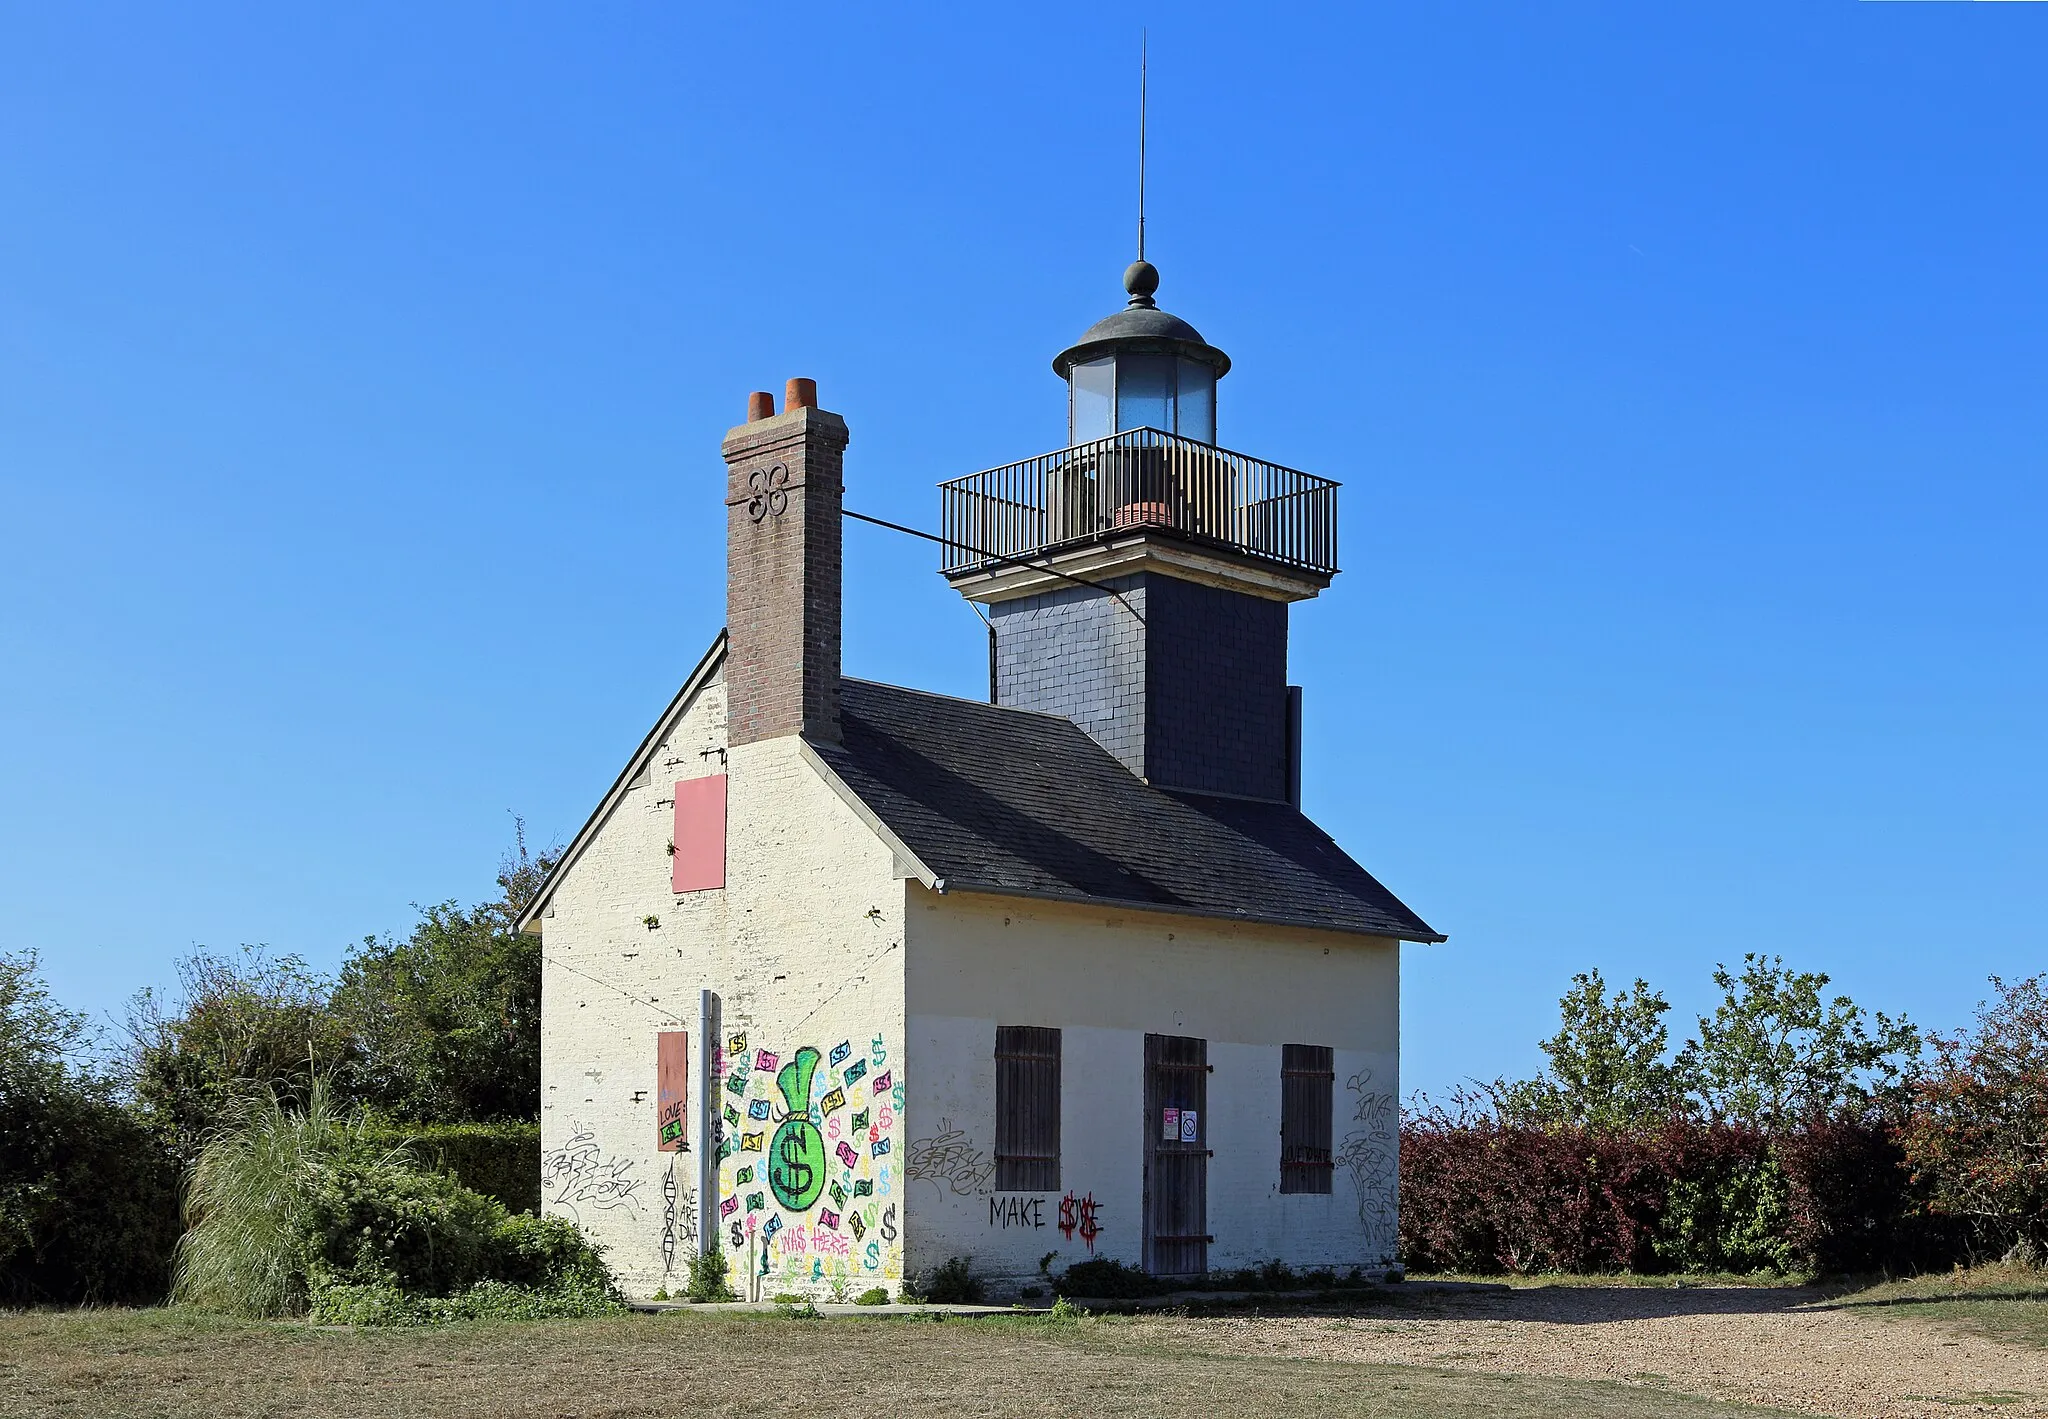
{"type": "Point", "coordinates": [1141, 328]}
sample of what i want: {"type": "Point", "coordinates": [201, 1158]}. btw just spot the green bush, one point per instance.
{"type": "Point", "coordinates": [250, 1203]}
{"type": "Point", "coordinates": [873, 1296]}
{"type": "Point", "coordinates": [350, 1303]}
{"type": "Point", "coordinates": [379, 1219]}
{"type": "Point", "coordinates": [500, 1160]}
{"type": "Point", "coordinates": [546, 1253]}
{"type": "Point", "coordinates": [1103, 1278]}
{"type": "Point", "coordinates": [301, 1209]}
{"type": "Point", "coordinates": [88, 1194]}
{"type": "Point", "coordinates": [952, 1283]}
{"type": "Point", "coordinates": [1728, 1219]}
{"type": "Point", "coordinates": [708, 1278]}
{"type": "Point", "coordinates": [1274, 1275]}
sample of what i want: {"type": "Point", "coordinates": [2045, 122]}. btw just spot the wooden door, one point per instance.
{"type": "Point", "coordinates": [1176, 1155]}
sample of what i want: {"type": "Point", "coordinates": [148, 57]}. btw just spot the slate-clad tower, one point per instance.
{"type": "Point", "coordinates": [1138, 580]}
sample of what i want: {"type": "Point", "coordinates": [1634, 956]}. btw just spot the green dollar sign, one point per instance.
{"type": "Point", "coordinates": [796, 1157]}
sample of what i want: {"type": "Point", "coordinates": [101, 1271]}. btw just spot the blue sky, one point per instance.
{"type": "Point", "coordinates": [362, 375]}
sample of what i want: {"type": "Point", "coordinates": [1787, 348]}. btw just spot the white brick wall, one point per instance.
{"type": "Point", "coordinates": [1106, 980]}
{"type": "Point", "coordinates": [804, 945]}
{"type": "Point", "coordinates": [608, 984]}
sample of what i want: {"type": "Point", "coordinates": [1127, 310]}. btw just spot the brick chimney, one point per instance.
{"type": "Point", "coordinates": [782, 541]}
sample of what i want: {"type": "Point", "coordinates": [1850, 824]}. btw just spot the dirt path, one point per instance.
{"type": "Point", "coordinates": [1790, 1348]}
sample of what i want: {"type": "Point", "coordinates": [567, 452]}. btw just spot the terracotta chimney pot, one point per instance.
{"type": "Point", "coordinates": [801, 394]}
{"type": "Point", "coordinates": [760, 405]}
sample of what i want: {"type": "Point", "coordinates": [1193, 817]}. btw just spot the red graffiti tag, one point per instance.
{"type": "Point", "coordinates": [1077, 1214]}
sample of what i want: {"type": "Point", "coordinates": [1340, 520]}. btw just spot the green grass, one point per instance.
{"type": "Point", "coordinates": [183, 1364]}
{"type": "Point", "coordinates": [2004, 1303]}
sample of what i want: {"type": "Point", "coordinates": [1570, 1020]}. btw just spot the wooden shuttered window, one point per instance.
{"type": "Point", "coordinates": [1307, 1080]}
{"type": "Point", "coordinates": [1027, 1109]}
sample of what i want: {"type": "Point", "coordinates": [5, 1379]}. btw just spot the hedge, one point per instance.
{"type": "Point", "coordinates": [1832, 1196]}
{"type": "Point", "coordinates": [88, 1202]}
{"type": "Point", "coordinates": [500, 1160]}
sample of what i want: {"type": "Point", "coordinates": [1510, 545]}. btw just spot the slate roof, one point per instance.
{"type": "Point", "coordinates": [1025, 804]}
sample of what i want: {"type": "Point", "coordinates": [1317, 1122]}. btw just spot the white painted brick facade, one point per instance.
{"type": "Point", "coordinates": [804, 945]}
{"type": "Point", "coordinates": [1106, 979]}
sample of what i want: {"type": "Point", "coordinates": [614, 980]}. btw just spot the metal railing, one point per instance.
{"type": "Point", "coordinates": [1140, 479]}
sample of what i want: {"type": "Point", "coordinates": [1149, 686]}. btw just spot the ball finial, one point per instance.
{"type": "Point", "coordinates": [1141, 279]}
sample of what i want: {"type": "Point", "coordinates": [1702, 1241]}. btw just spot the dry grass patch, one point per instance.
{"type": "Point", "coordinates": [181, 1365]}
{"type": "Point", "coordinates": [2004, 1302]}
{"type": "Point", "coordinates": [1802, 1348]}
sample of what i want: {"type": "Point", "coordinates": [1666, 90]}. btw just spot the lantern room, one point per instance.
{"type": "Point", "coordinates": [1141, 369]}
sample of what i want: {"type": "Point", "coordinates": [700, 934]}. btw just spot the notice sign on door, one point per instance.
{"type": "Point", "coordinates": [1169, 1131]}
{"type": "Point", "coordinates": [1188, 1132]}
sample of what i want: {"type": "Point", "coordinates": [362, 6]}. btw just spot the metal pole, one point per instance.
{"type": "Point", "coordinates": [707, 1122]}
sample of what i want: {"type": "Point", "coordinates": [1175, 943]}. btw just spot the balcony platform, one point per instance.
{"type": "Point", "coordinates": [1140, 500]}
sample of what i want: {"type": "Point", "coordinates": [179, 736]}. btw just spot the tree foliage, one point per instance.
{"type": "Point", "coordinates": [1977, 1133]}
{"type": "Point", "coordinates": [442, 1026]}
{"type": "Point", "coordinates": [1774, 1053]}
{"type": "Point", "coordinates": [239, 1026]}
{"type": "Point", "coordinates": [87, 1194]}
{"type": "Point", "coordinates": [1608, 1070]}
{"type": "Point", "coordinates": [447, 1021]}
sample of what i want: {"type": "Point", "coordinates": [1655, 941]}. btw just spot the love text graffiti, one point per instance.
{"type": "Point", "coordinates": [1081, 1217]}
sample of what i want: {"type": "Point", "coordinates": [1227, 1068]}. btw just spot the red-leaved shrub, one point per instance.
{"type": "Point", "coordinates": [1478, 1196]}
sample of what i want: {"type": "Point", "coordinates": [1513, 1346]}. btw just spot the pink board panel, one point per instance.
{"type": "Point", "coordinates": [672, 1086]}
{"type": "Point", "coordinates": [699, 863]}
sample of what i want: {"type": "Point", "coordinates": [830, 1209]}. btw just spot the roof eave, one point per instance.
{"type": "Point", "coordinates": [1423, 937]}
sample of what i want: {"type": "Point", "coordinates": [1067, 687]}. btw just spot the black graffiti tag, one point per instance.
{"type": "Point", "coordinates": [578, 1175]}
{"type": "Point", "coordinates": [949, 1160]}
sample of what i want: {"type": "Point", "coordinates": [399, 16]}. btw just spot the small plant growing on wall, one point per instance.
{"type": "Point", "coordinates": [650, 921]}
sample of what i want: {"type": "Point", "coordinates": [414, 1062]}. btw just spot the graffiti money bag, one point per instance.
{"type": "Point", "coordinates": [796, 1156]}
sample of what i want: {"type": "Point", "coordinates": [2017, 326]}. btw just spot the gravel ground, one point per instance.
{"type": "Point", "coordinates": [1784, 1347]}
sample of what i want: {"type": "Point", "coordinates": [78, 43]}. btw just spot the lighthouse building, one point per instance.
{"type": "Point", "coordinates": [849, 979]}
